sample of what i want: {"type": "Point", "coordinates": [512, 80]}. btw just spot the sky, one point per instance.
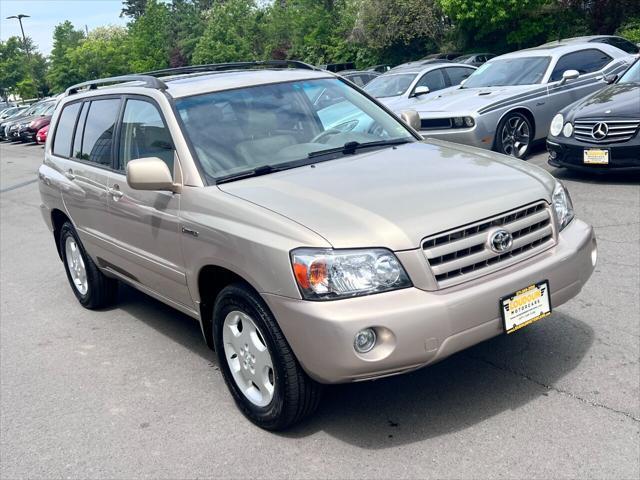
{"type": "Point", "coordinates": [46, 14]}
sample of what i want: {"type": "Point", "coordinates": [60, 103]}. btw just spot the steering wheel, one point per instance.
{"type": "Point", "coordinates": [325, 134]}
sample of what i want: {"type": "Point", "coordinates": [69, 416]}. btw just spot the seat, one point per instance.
{"type": "Point", "coordinates": [264, 141]}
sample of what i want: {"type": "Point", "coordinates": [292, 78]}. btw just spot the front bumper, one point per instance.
{"type": "Point", "coordinates": [415, 327]}
{"type": "Point", "coordinates": [570, 154]}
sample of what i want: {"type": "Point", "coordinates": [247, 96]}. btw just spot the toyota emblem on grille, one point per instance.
{"type": "Point", "coordinates": [600, 130]}
{"type": "Point", "coordinates": [500, 241]}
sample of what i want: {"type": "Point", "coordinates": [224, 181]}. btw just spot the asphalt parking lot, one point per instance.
{"type": "Point", "coordinates": [134, 392]}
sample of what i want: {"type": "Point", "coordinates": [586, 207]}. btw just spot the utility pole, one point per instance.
{"type": "Point", "coordinates": [24, 38]}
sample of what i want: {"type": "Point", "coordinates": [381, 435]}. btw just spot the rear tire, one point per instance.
{"type": "Point", "coordinates": [92, 288]}
{"type": "Point", "coordinates": [290, 395]}
{"type": "Point", "coordinates": [514, 135]}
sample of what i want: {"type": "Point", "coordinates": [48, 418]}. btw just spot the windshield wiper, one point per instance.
{"type": "Point", "coordinates": [350, 148]}
{"type": "Point", "coordinates": [255, 172]}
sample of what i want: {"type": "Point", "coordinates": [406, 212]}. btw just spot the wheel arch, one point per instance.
{"type": "Point", "coordinates": [212, 279]}
{"type": "Point", "coordinates": [58, 218]}
{"type": "Point", "coordinates": [526, 111]}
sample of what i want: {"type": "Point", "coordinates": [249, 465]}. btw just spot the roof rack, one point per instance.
{"type": "Point", "coordinates": [218, 67]}
{"type": "Point", "coordinates": [146, 80]}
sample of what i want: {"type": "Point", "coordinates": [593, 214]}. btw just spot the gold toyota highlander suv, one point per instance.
{"type": "Point", "coordinates": [315, 237]}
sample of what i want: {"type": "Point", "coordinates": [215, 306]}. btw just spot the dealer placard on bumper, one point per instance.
{"type": "Point", "coordinates": [525, 306]}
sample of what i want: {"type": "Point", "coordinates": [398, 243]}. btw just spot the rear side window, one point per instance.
{"type": "Point", "coordinates": [143, 134]}
{"type": "Point", "coordinates": [458, 74]}
{"type": "Point", "coordinates": [584, 61]}
{"type": "Point", "coordinates": [433, 79]}
{"type": "Point", "coordinates": [624, 45]}
{"type": "Point", "coordinates": [98, 131]}
{"type": "Point", "coordinates": [64, 130]}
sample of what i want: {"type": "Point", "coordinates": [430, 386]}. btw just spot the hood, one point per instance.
{"type": "Point", "coordinates": [623, 100]}
{"type": "Point", "coordinates": [468, 100]}
{"type": "Point", "coordinates": [395, 197]}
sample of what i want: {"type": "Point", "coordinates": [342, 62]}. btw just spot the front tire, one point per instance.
{"type": "Point", "coordinates": [514, 135]}
{"type": "Point", "coordinates": [91, 287]}
{"type": "Point", "coordinates": [258, 365]}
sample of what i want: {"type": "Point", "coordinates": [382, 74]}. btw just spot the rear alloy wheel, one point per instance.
{"type": "Point", "coordinates": [91, 287]}
{"type": "Point", "coordinates": [258, 365]}
{"type": "Point", "coordinates": [514, 135]}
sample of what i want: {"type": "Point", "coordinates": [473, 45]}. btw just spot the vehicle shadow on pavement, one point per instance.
{"type": "Point", "coordinates": [168, 321]}
{"type": "Point", "coordinates": [502, 374]}
{"type": "Point", "coordinates": [601, 178]}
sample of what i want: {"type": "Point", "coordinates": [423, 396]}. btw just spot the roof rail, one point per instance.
{"type": "Point", "coordinates": [146, 80]}
{"type": "Point", "coordinates": [217, 67]}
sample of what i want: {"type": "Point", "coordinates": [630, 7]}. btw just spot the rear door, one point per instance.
{"type": "Point", "coordinates": [144, 225]}
{"type": "Point", "coordinates": [82, 147]}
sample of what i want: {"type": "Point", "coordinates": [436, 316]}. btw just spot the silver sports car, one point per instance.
{"type": "Point", "coordinates": [509, 102]}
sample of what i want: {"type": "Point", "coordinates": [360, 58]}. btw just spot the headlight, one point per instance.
{"type": "Point", "coordinates": [556, 125]}
{"type": "Point", "coordinates": [562, 206]}
{"type": "Point", "coordinates": [469, 121]}
{"type": "Point", "coordinates": [324, 274]}
{"type": "Point", "coordinates": [567, 131]}
{"type": "Point", "coordinates": [461, 122]}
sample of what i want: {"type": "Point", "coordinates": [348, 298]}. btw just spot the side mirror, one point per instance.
{"type": "Point", "coordinates": [150, 174]}
{"type": "Point", "coordinates": [569, 75]}
{"type": "Point", "coordinates": [421, 90]}
{"type": "Point", "coordinates": [411, 118]}
{"type": "Point", "coordinates": [610, 78]}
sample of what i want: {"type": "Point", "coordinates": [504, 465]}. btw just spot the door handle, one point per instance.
{"type": "Point", "coordinates": [69, 174]}
{"type": "Point", "coordinates": [115, 192]}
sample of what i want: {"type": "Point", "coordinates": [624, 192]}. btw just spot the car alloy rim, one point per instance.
{"type": "Point", "coordinates": [515, 136]}
{"type": "Point", "coordinates": [75, 264]}
{"type": "Point", "coordinates": [248, 358]}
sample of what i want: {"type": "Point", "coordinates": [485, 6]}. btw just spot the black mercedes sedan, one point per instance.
{"type": "Point", "coordinates": [600, 131]}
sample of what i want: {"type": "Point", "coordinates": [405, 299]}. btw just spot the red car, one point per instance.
{"type": "Point", "coordinates": [41, 136]}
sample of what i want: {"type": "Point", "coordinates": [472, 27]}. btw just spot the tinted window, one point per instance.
{"type": "Point", "coordinates": [64, 130]}
{"type": "Point", "coordinates": [624, 45]}
{"type": "Point", "coordinates": [458, 74]}
{"type": "Point", "coordinates": [77, 141]}
{"type": "Point", "coordinates": [433, 79]}
{"type": "Point", "coordinates": [143, 134]}
{"type": "Point", "coordinates": [584, 61]}
{"type": "Point", "coordinates": [98, 131]}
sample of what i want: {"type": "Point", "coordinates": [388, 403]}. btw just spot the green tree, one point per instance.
{"type": "Point", "coordinates": [230, 33]}
{"type": "Point", "coordinates": [400, 30]}
{"type": "Point", "coordinates": [150, 38]}
{"type": "Point", "coordinates": [104, 53]}
{"type": "Point", "coordinates": [65, 39]}
{"type": "Point", "coordinates": [133, 8]}
{"type": "Point", "coordinates": [12, 62]}
{"type": "Point", "coordinates": [187, 26]}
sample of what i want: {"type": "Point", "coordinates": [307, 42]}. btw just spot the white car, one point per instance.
{"type": "Point", "coordinates": [404, 87]}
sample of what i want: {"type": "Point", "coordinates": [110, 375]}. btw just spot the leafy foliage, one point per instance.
{"type": "Point", "coordinates": [164, 33]}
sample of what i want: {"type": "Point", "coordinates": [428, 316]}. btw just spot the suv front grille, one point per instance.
{"type": "Point", "coordinates": [617, 130]}
{"type": "Point", "coordinates": [463, 253]}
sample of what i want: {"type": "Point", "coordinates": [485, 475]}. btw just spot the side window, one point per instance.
{"type": "Point", "coordinates": [458, 74]}
{"type": "Point", "coordinates": [433, 79]}
{"type": "Point", "coordinates": [584, 61]}
{"type": "Point", "coordinates": [97, 139]}
{"type": "Point", "coordinates": [64, 130]}
{"type": "Point", "coordinates": [143, 134]}
{"type": "Point", "coordinates": [77, 141]}
{"type": "Point", "coordinates": [624, 45]}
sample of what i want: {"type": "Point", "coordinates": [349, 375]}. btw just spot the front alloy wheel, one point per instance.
{"type": "Point", "coordinates": [514, 135]}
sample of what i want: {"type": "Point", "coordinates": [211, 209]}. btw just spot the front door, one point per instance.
{"type": "Point", "coordinates": [144, 225]}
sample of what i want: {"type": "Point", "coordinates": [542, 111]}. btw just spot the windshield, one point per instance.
{"type": "Point", "coordinates": [241, 130]}
{"type": "Point", "coordinates": [632, 75]}
{"type": "Point", "coordinates": [509, 71]}
{"type": "Point", "coordinates": [390, 85]}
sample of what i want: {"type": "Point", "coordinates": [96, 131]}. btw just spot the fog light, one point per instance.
{"type": "Point", "coordinates": [553, 154]}
{"type": "Point", "coordinates": [365, 340]}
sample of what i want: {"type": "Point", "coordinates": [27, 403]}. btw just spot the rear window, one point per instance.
{"type": "Point", "coordinates": [64, 130]}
